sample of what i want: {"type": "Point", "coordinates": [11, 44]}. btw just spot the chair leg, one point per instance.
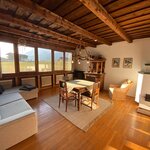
{"type": "Point", "coordinates": [91, 105]}
{"type": "Point", "coordinates": [66, 104]}
{"type": "Point", "coordinates": [59, 101]}
{"type": "Point", "coordinates": [81, 99]}
{"type": "Point", "coordinates": [75, 102]}
{"type": "Point", "coordinates": [62, 100]}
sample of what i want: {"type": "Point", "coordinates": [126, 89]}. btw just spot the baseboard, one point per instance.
{"type": "Point", "coordinates": [143, 111]}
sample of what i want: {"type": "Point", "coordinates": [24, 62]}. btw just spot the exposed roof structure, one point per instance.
{"type": "Point", "coordinates": [65, 22]}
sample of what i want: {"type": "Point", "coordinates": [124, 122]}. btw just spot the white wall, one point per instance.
{"type": "Point", "coordinates": [139, 50]}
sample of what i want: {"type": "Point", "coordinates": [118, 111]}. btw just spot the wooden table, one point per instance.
{"type": "Point", "coordinates": [79, 86]}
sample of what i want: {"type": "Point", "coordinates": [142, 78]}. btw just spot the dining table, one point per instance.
{"type": "Point", "coordinates": [79, 86]}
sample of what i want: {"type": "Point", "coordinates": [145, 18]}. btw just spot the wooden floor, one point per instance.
{"type": "Point", "coordinates": [120, 128]}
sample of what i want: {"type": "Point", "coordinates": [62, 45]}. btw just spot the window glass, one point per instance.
{"type": "Point", "coordinates": [68, 61]}
{"type": "Point", "coordinates": [58, 60]}
{"type": "Point", "coordinates": [7, 57]}
{"type": "Point", "coordinates": [26, 58]}
{"type": "Point", "coordinates": [45, 61]}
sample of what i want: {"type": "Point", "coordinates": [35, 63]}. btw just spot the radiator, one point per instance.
{"type": "Point", "coordinates": [6, 83]}
{"type": "Point", "coordinates": [46, 81]}
{"type": "Point", "coordinates": [58, 78]}
{"type": "Point", "coordinates": [30, 81]}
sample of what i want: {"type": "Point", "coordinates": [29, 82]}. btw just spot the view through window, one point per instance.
{"type": "Point", "coordinates": [58, 60]}
{"type": "Point", "coordinates": [68, 61]}
{"type": "Point", "coordinates": [7, 57]}
{"type": "Point", "coordinates": [45, 61]}
{"type": "Point", "coordinates": [26, 58]}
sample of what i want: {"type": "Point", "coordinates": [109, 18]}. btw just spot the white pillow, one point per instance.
{"type": "Point", "coordinates": [129, 81]}
{"type": "Point", "coordinates": [124, 85]}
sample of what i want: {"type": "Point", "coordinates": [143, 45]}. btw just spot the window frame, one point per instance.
{"type": "Point", "coordinates": [54, 61]}
{"type": "Point", "coordinates": [65, 61]}
{"type": "Point", "coordinates": [14, 53]}
{"type": "Point", "coordinates": [42, 72]}
{"type": "Point", "coordinates": [35, 60]}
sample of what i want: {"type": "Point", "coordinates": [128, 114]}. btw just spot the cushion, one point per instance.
{"type": "Point", "coordinates": [24, 89]}
{"type": "Point", "coordinates": [111, 90]}
{"type": "Point", "coordinates": [87, 94]}
{"type": "Point", "coordinates": [2, 88]}
{"type": "Point", "coordinates": [129, 81]}
{"type": "Point", "coordinates": [14, 108]}
{"type": "Point", "coordinates": [124, 85]}
{"type": "Point", "coordinates": [11, 90]}
{"type": "Point", "coordinates": [27, 87]}
{"type": "Point", "coordinates": [8, 98]}
{"type": "Point", "coordinates": [1, 91]}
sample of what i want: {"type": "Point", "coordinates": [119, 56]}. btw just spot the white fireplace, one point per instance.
{"type": "Point", "coordinates": [143, 88]}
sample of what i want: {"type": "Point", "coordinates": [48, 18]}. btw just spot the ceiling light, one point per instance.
{"type": "Point", "coordinates": [81, 53]}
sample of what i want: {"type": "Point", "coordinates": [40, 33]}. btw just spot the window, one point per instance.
{"type": "Point", "coordinates": [26, 58]}
{"type": "Point", "coordinates": [68, 61]}
{"type": "Point", "coordinates": [45, 61]}
{"type": "Point", "coordinates": [7, 57]}
{"type": "Point", "coordinates": [58, 60]}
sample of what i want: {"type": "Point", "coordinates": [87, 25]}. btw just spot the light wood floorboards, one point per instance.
{"type": "Point", "coordinates": [120, 128]}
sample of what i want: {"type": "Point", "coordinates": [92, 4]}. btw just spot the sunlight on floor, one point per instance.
{"type": "Point", "coordinates": [142, 131]}
{"type": "Point", "coordinates": [134, 146]}
{"type": "Point", "coordinates": [110, 148]}
{"type": "Point", "coordinates": [139, 117]}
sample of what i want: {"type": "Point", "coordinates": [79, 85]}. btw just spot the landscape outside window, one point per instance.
{"type": "Point", "coordinates": [7, 57]}
{"type": "Point", "coordinates": [58, 60]}
{"type": "Point", "coordinates": [26, 58]}
{"type": "Point", "coordinates": [68, 61]}
{"type": "Point", "coordinates": [44, 59]}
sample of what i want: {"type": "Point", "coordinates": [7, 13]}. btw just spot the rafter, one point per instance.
{"type": "Point", "coordinates": [48, 15]}
{"type": "Point", "coordinates": [41, 30]}
{"type": "Point", "coordinates": [35, 37]}
{"type": "Point", "coordinates": [14, 39]}
{"type": "Point", "coordinates": [101, 13]}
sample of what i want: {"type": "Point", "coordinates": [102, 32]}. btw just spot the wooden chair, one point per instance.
{"type": "Point", "coordinates": [64, 95]}
{"type": "Point", "coordinates": [88, 98]}
{"type": "Point", "coordinates": [119, 92]}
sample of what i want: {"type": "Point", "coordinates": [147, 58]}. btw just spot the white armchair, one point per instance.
{"type": "Point", "coordinates": [119, 92]}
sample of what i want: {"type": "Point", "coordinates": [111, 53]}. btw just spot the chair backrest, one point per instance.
{"type": "Point", "coordinates": [63, 89]}
{"type": "Point", "coordinates": [96, 90]}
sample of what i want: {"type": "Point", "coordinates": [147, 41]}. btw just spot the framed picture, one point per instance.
{"type": "Point", "coordinates": [116, 62]}
{"type": "Point", "coordinates": [127, 62]}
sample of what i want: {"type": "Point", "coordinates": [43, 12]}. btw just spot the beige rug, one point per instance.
{"type": "Point", "coordinates": [84, 118]}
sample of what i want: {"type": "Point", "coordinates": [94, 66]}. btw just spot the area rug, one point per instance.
{"type": "Point", "coordinates": [84, 118]}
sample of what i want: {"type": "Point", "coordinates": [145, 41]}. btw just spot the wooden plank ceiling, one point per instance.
{"type": "Point", "coordinates": [65, 22]}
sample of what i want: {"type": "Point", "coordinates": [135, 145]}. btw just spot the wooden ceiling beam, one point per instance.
{"type": "Point", "coordinates": [30, 42]}
{"type": "Point", "coordinates": [135, 20]}
{"type": "Point", "coordinates": [136, 24]}
{"type": "Point", "coordinates": [138, 28]}
{"type": "Point", "coordinates": [131, 9]}
{"type": "Point", "coordinates": [94, 24]}
{"type": "Point", "coordinates": [38, 29]}
{"type": "Point", "coordinates": [101, 13]}
{"type": "Point", "coordinates": [35, 37]}
{"type": "Point", "coordinates": [131, 15]}
{"type": "Point", "coordinates": [48, 15]}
